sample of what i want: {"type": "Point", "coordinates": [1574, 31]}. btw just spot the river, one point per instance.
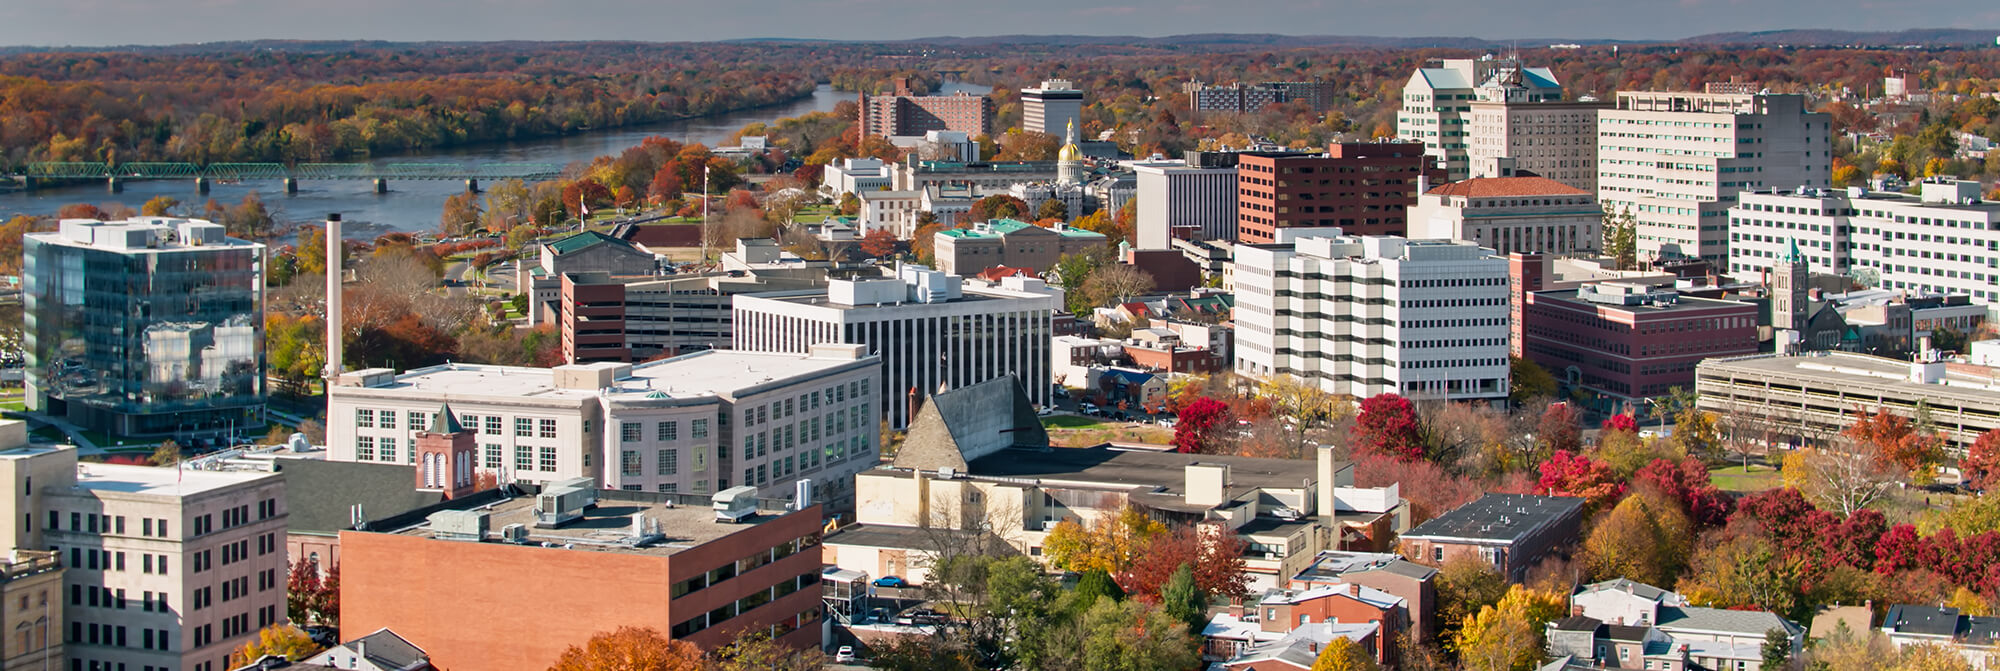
{"type": "Point", "coordinates": [414, 205]}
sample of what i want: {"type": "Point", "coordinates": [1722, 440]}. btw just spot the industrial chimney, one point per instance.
{"type": "Point", "coordinates": [334, 272]}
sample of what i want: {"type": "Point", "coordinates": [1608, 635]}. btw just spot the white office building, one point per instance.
{"type": "Point", "coordinates": [1051, 108]}
{"type": "Point", "coordinates": [1677, 160]}
{"type": "Point", "coordinates": [165, 568]}
{"type": "Point", "coordinates": [1946, 240]}
{"type": "Point", "coordinates": [1367, 315]}
{"type": "Point", "coordinates": [1177, 200]}
{"type": "Point", "coordinates": [1438, 103]}
{"type": "Point", "coordinates": [1511, 214]}
{"type": "Point", "coordinates": [930, 331]}
{"type": "Point", "coordinates": [856, 175]}
{"type": "Point", "coordinates": [693, 424]}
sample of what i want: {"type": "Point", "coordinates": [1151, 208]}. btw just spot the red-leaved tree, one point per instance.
{"type": "Point", "coordinates": [1686, 481]}
{"type": "Point", "coordinates": [1981, 466]}
{"type": "Point", "coordinates": [1571, 474]}
{"type": "Point", "coordinates": [1202, 426]}
{"type": "Point", "coordinates": [1895, 440]}
{"type": "Point", "coordinates": [1388, 424]}
{"type": "Point", "coordinates": [1621, 422]}
{"type": "Point", "coordinates": [1561, 427]}
{"type": "Point", "coordinates": [1214, 552]}
{"type": "Point", "coordinates": [878, 243]}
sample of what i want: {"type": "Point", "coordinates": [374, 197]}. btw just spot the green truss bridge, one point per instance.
{"type": "Point", "coordinates": [115, 175]}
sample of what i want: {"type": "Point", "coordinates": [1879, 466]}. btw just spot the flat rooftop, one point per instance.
{"type": "Point", "coordinates": [1107, 466]}
{"type": "Point", "coordinates": [1864, 372]}
{"type": "Point", "coordinates": [1891, 197]}
{"type": "Point", "coordinates": [159, 480]}
{"type": "Point", "coordinates": [608, 526]}
{"type": "Point", "coordinates": [1498, 517]}
{"type": "Point", "coordinates": [968, 294]}
{"type": "Point", "coordinates": [1682, 303]}
{"type": "Point", "coordinates": [696, 376]}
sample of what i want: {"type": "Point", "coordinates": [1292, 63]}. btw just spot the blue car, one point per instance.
{"type": "Point", "coordinates": [891, 581]}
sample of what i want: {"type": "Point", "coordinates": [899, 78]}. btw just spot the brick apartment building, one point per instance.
{"type": "Point", "coordinates": [1625, 342]}
{"type": "Point", "coordinates": [635, 559]}
{"type": "Point", "coordinates": [906, 115]}
{"type": "Point", "coordinates": [1364, 188]}
{"type": "Point", "coordinates": [1510, 531]}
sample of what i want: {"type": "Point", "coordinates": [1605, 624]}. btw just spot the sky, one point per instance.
{"type": "Point", "coordinates": [115, 22]}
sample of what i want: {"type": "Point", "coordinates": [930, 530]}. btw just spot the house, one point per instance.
{"type": "Point", "coordinates": [1407, 580]}
{"type": "Point", "coordinates": [1831, 619]}
{"type": "Point", "coordinates": [1977, 638]}
{"type": "Point", "coordinates": [1299, 649]}
{"type": "Point", "coordinates": [379, 651]}
{"type": "Point", "coordinates": [1626, 603]}
{"type": "Point", "coordinates": [1584, 642]}
{"type": "Point", "coordinates": [1124, 387]}
{"type": "Point", "coordinates": [1284, 610]}
{"type": "Point", "coordinates": [1510, 531]}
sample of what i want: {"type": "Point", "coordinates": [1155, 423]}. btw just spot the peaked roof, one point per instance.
{"type": "Point", "coordinates": [1638, 589]}
{"type": "Point", "coordinates": [1746, 622]}
{"type": "Point", "coordinates": [1503, 187]}
{"type": "Point", "coordinates": [957, 426]}
{"type": "Point", "coordinates": [387, 650]}
{"type": "Point", "coordinates": [445, 422]}
{"type": "Point", "coordinates": [585, 240]}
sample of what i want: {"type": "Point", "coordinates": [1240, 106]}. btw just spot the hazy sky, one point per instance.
{"type": "Point", "coordinates": [102, 22]}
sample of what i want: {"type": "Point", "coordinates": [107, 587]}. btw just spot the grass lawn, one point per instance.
{"type": "Point", "coordinates": [1071, 422]}
{"type": "Point", "coordinates": [1735, 479]}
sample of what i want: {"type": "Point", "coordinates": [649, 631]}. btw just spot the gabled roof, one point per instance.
{"type": "Point", "coordinates": [385, 650]}
{"type": "Point", "coordinates": [1578, 623]}
{"type": "Point", "coordinates": [1505, 187]}
{"type": "Point", "coordinates": [1300, 648]}
{"type": "Point", "coordinates": [320, 496]}
{"type": "Point", "coordinates": [585, 240]}
{"type": "Point", "coordinates": [1921, 620]}
{"type": "Point", "coordinates": [958, 426]}
{"type": "Point", "coordinates": [1638, 589]}
{"type": "Point", "coordinates": [1444, 78]}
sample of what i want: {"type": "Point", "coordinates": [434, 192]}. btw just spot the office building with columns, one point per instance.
{"type": "Point", "coordinates": [1512, 214]}
{"type": "Point", "coordinates": [930, 331]}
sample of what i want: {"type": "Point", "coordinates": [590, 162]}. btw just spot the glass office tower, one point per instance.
{"type": "Point", "coordinates": [150, 327]}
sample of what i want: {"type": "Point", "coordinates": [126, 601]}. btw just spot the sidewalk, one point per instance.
{"type": "Point", "coordinates": [83, 445]}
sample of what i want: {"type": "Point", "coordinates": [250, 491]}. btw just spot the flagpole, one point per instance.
{"type": "Point", "coordinates": [704, 214]}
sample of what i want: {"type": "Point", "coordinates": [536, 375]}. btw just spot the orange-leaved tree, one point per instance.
{"type": "Point", "coordinates": [630, 649]}
{"type": "Point", "coordinates": [1896, 441]}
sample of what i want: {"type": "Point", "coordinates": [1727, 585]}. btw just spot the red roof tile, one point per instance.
{"type": "Point", "coordinates": [1502, 187]}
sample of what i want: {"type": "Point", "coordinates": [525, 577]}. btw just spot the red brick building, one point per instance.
{"type": "Point", "coordinates": [632, 559]}
{"type": "Point", "coordinates": [1626, 342]}
{"type": "Point", "coordinates": [1364, 188]}
{"type": "Point", "coordinates": [1345, 603]}
{"type": "Point", "coordinates": [903, 114]}
{"type": "Point", "coordinates": [591, 317]}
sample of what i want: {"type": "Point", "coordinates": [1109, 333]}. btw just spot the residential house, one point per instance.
{"type": "Point", "coordinates": [379, 651]}
{"type": "Point", "coordinates": [1299, 649]}
{"type": "Point", "coordinates": [1512, 532]}
{"type": "Point", "coordinates": [1975, 637]}
{"type": "Point", "coordinates": [1627, 603]}
{"type": "Point", "coordinates": [1409, 581]}
{"type": "Point", "coordinates": [1284, 610]}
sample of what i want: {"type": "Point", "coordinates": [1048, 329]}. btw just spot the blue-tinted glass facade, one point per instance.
{"type": "Point", "coordinates": [133, 332]}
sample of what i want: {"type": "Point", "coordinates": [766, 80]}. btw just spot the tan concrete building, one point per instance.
{"type": "Point", "coordinates": [31, 611]}
{"type": "Point", "coordinates": [167, 568]}
{"type": "Point", "coordinates": [1512, 214]}
{"type": "Point", "coordinates": [1676, 160]}
{"type": "Point", "coordinates": [1553, 139]}
{"type": "Point", "coordinates": [1011, 243]}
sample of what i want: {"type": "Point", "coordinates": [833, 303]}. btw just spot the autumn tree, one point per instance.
{"type": "Point", "coordinates": [1117, 283]}
{"type": "Point", "coordinates": [1133, 635]}
{"type": "Point", "coordinates": [754, 651]}
{"type": "Point", "coordinates": [302, 587]}
{"type": "Point", "coordinates": [1508, 635]}
{"type": "Point", "coordinates": [1053, 208]}
{"type": "Point", "coordinates": [1213, 555]}
{"type": "Point", "coordinates": [283, 640]}
{"type": "Point", "coordinates": [1687, 483]}
{"type": "Point", "coordinates": [167, 454]}
{"type": "Point", "coordinates": [1979, 469]}
{"type": "Point", "coordinates": [1743, 569]}
{"type": "Point", "coordinates": [1896, 441]}
{"type": "Point", "coordinates": [159, 206]}
{"type": "Point", "coordinates": [1560, 428]}
{"type": "Point", "coordinates": [1645, 538]}
{"type": "Point", "coordinates": [1570, 474]}
{"type": "Point", "coordinates": [630, 649]}
{"type": "Point", "coordinates": [1839, 474]}
{"type": "Point", "coordinates": [1203, 426]}
{"type": "Point", "coordinates": [878, 243]}
{"type": "Point", "coordinates": [1465, 585]}
{"type": "Point", "coordinates": [1529, 380]}
{"type": "Point", "coordinates": [1111, 544]}
{"type": "Point", "coordinates": [1343, 654]}
{"type": "Point", "coordinates": [1621, 238]}
{"type": "Point", "coordinates": [462, 214]}
{"type": "Point", "coordinates": [1388, 424]}
{"type": "Point", "coordinates": [997, 206]}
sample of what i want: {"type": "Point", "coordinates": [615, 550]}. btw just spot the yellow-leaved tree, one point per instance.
{"type": "Point", "coordinates": [1507, 636]}
{"type": "Point", "coordinates": [1341, 654]}
{"type": "Point", "coordinates": [283, 640]}
{"type": "Point", "coordinates": [1109, 545]}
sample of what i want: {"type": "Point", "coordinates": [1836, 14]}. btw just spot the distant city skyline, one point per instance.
{"type": "Point", "coordinates": [122, 22]}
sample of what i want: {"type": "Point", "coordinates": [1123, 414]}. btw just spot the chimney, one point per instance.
{"type": "Point", "coordinates": [333, 302]}
{"type": "Point", "coordinates": [1207, 484]}
{"type": "Point", "coordinates": [1236, 607]}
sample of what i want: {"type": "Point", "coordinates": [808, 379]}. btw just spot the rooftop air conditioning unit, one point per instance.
{"type": "Point", "coordinates": [514, 533]}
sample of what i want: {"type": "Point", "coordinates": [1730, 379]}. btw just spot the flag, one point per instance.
{"type": "Point", "coordinates": [582, 207]}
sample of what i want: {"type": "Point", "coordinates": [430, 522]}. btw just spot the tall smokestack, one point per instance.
{"type": "Point", "coordinates": [333, 306]}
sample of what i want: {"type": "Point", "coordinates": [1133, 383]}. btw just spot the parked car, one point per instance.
{"type": "Point", "coordinates": [891, 581]}
{"type": "Point", "coordinates": [1062, 392]}
{"type": "Point", "coordinates": [844, 655]}
{"type": "Point", "coordinates": [1088, 408]}
{"type": "Point", "coordinates": [1044, 412]}
{"type": "Point", "coordinates": [1167, 422]}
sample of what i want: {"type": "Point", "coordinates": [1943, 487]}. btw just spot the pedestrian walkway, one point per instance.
{"type": "Point", "coordinates": [84, 446]}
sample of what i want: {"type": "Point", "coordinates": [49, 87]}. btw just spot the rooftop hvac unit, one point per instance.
{"type": "Point", "coordinates": [735, 504]}
{"type": "Point", "coordinates": [514, 533]}
{"type": "Point", "coordinates": [458, 525]}
{"type": "Point", "coordinates": [557, 506]}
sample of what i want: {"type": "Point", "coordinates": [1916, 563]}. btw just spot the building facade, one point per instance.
{"type": "Point", "coordinates": [165, 568]}
{"type": "Point", "coordinates": [1939, 241]}
{"type": "Point", "coordinates": [619, 319]}
{"type": "Point", "coordinates": [31, 585]}
{"type": "Point", "coordinates": [1011, 243]}
{"type": "Point", "coordinates": [1624, 343]}
{"type": "Point", "coordinates": [1438, 105]}
{"type": "Point", "coordinates": [1365, 188]}
{"type": "Point", "coordinates": [1675, 161]}
{"type": "Point", "coordinates": [1803, 399]}
{"type": "Point", "coordinates": [1186, 202]}
{"type": "Point", "coordinates": [1512, 214]}
{"type": "Point", "coordinates": [1051, 107]}
{"type": "Point", "coordinates": [1367, 315]}
{"type": "Point", "coordinates": [905, 115]}
{"type": "Point", "coordinates": [929, 331]}
{"type": "Point", "coordinates": [636, 559]}
{"type": "Point", "coordinates": [145, 327]}
{"type": "Point", "coordinates": [1511, 532]}
{"type": "Point", "coordinates": [694, 424]}
{"type": "Point", "coordinates": [1550, 138]}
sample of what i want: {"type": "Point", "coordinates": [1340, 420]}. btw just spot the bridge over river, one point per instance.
{"type": "Point", "coordinates": [114, 176]}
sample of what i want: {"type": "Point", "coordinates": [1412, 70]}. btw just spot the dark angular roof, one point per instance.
{"type": "Point", "coordinates": [319, 495]}
{"type": "Point", "coordinates": [1625, 632]}
{"type": "Point", "coordinates": [1498, 517]}
{"type": "Point", "coordinates": [1578, 623]}
{"type": "Point", "coordinates": [445, 422]}
{"type": "Point", "coordinates": [1981, 630]}
{"type": "Point", "coordinates": [1921, 620]}
{"type": "Point", "coordinates": [585, 240]}
{"type": "Point", "coordinates": [390, 651]}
